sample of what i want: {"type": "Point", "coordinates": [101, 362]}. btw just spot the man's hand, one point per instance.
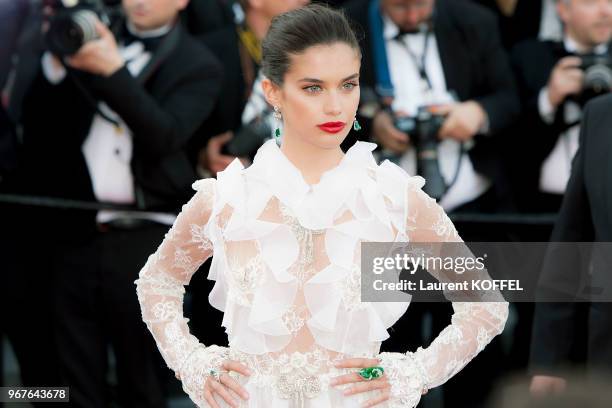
{"type": "Point", "coordinates": [388, 135]}
{"type": "Point", "coordinates": [542, 385]}
{"type": "Point", "coordinates": [101, 56]}
{"type": "Point", "coordinates": [566, 79]}
{"type": "Point", "coordinates": [464, 120]}
{"type": "Point", "coordinates": [211, 157]}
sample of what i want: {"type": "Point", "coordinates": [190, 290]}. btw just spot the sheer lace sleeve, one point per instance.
{"type": "Point", "coordinates": [473, 324]}
{"type": "Point", "coordinates": [160, 289]}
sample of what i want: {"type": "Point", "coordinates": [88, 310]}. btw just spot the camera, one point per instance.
{"type": "Point", "coordinates": [597, 77]}
{"type": "Point", "coordinates": [73, 23]}
{"type": "Point", "coordinates": [423, 130]}
{"type": "Point", "coordinates": [249, 138]}
{"type": "Point", "coordinates": [597, 73]}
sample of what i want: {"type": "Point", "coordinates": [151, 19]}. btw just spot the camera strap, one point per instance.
{"type": "Point", "coordinates": [421, 62]}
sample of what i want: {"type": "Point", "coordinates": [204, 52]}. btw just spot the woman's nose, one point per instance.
{"type": "Point", "coordinates": [332, 105]}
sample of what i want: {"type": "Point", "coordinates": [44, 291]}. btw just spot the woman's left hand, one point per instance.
{"type": "Point", "coordinates": [360, 384]}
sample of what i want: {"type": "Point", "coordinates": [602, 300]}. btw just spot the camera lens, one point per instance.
{"type": "Point", "coordinates": [598, 78]}
{"type": "Point", "coordinates": [69, 31]}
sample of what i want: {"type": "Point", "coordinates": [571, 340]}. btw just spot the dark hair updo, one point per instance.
{"type": "Point", "coordinates": [293, 32]}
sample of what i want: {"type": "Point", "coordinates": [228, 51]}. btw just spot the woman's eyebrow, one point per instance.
{"type": "Point", "coordinates": [318, 81]}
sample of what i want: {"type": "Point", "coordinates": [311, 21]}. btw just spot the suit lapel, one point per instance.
{"type": "Point", "coordinates": [164, 50]}
{"type": "Point", "coordinates": [452, 57]}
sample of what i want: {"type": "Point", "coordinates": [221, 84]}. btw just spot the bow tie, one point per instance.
{"type": "Point", "coordinates": [408, 32]}
{"type": "Point", "coordinates": [150, 43]}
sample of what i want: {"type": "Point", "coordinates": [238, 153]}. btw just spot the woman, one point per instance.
{"type": "Point", "coordinates": [285, 234]}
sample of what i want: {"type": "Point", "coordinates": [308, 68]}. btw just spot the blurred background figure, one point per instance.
{"type": "Point", "coordinates": [555, 80]}
{"type": "Point", "coordinates": [569, 333]}
{"type": "Point", "coordinates": [23, 297]}
{"type": "Point", "coordinates": [12, 16]}
{"type": "Point", "coordinates": [444, 88]}
{"type": "Point", "coordinates": [106, 120]}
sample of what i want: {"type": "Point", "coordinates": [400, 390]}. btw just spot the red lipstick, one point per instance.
{"type": "Point", "coordinates": [332, 127]}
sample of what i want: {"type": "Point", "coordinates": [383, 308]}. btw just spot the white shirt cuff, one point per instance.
{"type": "Point", "coordinates": [53, 72]}
{"type": "Point", "coordinates": [547, 112]}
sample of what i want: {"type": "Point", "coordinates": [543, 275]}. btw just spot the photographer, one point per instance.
{"type": "Point", "coordinates": [107, 121]}
{"type": "Point", "coordinates": [555, 80]}
{"type": "Point", "coordinates": [242, 119]}
{"type": "Point", "coordinates": [447, 54]}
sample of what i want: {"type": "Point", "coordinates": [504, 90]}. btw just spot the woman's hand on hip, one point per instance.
{"type": "Point", "coordinates": [226, 383]}
{"type": "Point", "coordinates": [360, 384]}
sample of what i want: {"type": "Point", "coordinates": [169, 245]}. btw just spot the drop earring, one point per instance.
{"type": "Point", "coordinates": [277, 132]}
{"type": "Point", "coordinates": [356, 125]}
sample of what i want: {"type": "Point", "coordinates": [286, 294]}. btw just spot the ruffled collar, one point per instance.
{"type": "Point", "coordinates": [314, 204]}
{"type": "Point", "coordinates": [356, 183]}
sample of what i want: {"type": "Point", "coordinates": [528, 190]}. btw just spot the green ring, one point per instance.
{"type": "Point", "coordinates": [370, 373]}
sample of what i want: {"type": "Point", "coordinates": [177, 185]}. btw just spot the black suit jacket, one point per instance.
{"type": "Point", "coordinates": [162, 108]}
{"type": "Point", "coordinates": [475, 66]}
{"type": "Point", "coordinates": [586, 216]}
{"type": "Point", "coordinates": [524, 24]}
{"type": "Point", "coordinates": [227, 113]}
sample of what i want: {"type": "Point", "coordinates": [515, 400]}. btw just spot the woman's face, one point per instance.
{"type": "Point", "coordinates": [320, 94]}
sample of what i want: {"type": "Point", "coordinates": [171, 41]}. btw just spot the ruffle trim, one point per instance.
{"type": "Point", "coordinates": [374, 194]}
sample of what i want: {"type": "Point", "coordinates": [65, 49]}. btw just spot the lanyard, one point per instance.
{"type": "Point", "coordinates": [420, 63]}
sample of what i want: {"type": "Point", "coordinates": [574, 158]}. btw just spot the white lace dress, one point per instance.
{"type": "Point", "coordinates": [286, 261]}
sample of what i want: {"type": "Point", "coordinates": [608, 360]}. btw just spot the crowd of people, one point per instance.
{"type": "Point", "coordinates": [484, 98]}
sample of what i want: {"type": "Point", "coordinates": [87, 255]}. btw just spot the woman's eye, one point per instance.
{"type": "Point", "coordinates": [313, 88]}
{"type": "Point", "coordinates": [349, 85]}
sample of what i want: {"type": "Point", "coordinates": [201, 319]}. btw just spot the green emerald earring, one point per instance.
{"type": "Point", "coordinates": [277, 115]}
{"type": "Point", "coordinates": [356, 125]}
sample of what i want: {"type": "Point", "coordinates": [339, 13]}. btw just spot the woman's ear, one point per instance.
{"type": "Point", "coordinates": [272, 92]}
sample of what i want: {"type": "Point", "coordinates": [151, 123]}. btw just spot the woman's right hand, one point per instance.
{"type": "Point", "coordinates": [226, 383]}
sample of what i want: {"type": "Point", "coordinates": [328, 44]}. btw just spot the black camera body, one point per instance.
{"type": "Point", "coordinates": [597, 73]}
{"type": "Point", "coordinates": [249, 138]}
{"type": "Point", "coordinates": [72, 26]}
{"type": "Point", "coordinates": [423, 130]}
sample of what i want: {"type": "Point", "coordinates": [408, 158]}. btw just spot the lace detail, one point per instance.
{"type": "Point", "coordinates": [246, 278]}
{"type": "Point", "coordinates": [295, 318]}
{"type": "Point", "coordinates": [304, 237]}
{"type": "Point", "coordinates": [351, 290]}
{"type": "Point", "coordinates": [406, 377]}
{"type": "Point", "coordinates": [295, 376]}
{"type": "Point", "coordinates": [198, 235]}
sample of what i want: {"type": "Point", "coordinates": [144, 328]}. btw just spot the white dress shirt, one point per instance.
{"type": "Point", "coordinates": [409, 95]}
{"type": "Point", "coordinates": [556, 168]}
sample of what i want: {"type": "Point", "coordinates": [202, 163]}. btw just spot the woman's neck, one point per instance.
{"type": "Point", "coordinates": [312, 161]}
